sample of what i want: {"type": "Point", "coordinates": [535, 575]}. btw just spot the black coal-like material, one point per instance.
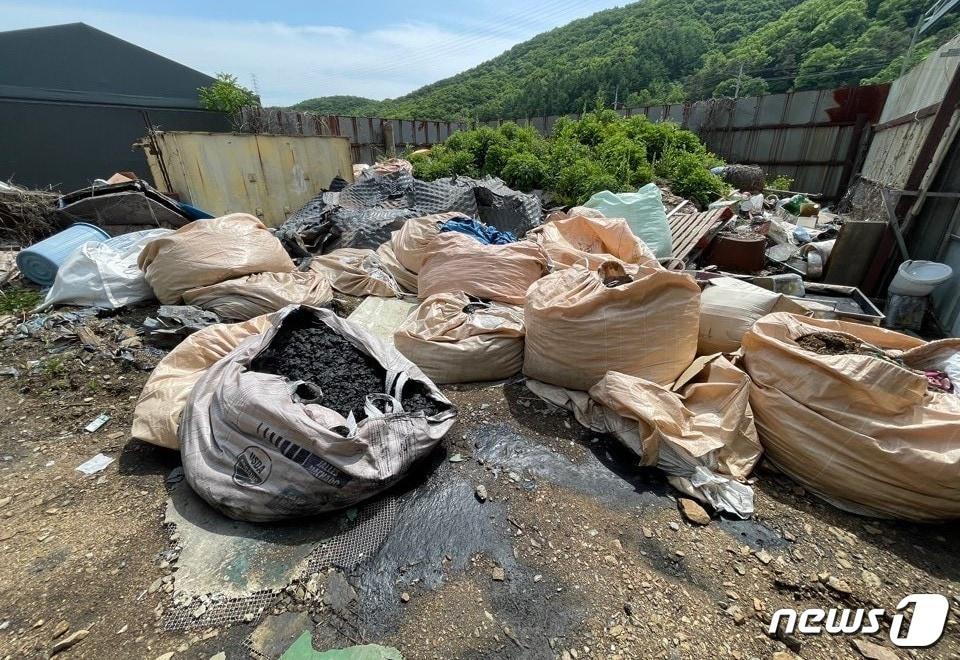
{"type": "Point", "coordinates": [312, 352]}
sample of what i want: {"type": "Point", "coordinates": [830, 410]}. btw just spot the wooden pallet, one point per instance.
{"type": "Point", "coordinates": [689, 231]}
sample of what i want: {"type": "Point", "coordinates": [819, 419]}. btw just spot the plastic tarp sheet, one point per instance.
{"type": "Point", "coordinates": [364, 214]}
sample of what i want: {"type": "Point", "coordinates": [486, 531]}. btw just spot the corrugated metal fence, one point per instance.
{"type": "Point", "coordinates": [814, 137]}
{"type": "Point", "coordinates": [370, 137]}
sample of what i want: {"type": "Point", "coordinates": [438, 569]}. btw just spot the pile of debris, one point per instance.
{"type": "Point", "coordinates": [651, 325]}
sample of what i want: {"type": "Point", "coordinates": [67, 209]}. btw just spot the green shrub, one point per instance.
{"type": "Point", "coordinates": [226, 95]}
{"type": "Point", "coordinates": [600, 151]}
{"type": "Point", "coordinates": [524, 171]}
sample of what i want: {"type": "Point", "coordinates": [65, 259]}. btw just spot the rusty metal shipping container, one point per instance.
{"type": "Point", "coordinates": [269, 176]}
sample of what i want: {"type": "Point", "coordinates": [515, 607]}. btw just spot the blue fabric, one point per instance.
{"type": "Point", "coordinates": [475, 229]}
{"type": "Point", "coordinates": [193, 212]}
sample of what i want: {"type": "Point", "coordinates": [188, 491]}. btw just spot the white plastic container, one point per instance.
{"type": "Point", "coordinates": [919, 278]}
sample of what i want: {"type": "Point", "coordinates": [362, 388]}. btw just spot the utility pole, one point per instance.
{"type": "Point", "coordinates": [736, 92]}
{"type": "Point", "coordinates": [616, 95]}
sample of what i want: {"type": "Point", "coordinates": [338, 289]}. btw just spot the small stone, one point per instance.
{"type": "Point", "coordinates": [764, 557]}
{"type": "Point", "coordinates": [165, 656]}
{"type": "Point", "coordinates": [734, 611]}
{"type": "Point", "coordinates": [838, 585]}
{"type": "Point", "coordinates": [870, 579]}
{"type": "Point", "coordinates": [675, 527]}
{"type": "Point", "coordinates": [67, 642]}
{"type": "Point", "coordinates": [4, 501]}
{"type": "Point", "coordinates": [873, 651]}
{"type": "Point", "coordinates": [155, 585]}
{"type": "Point", "coordinates": [248, 617]}
{"type": "Point", "coordinates": [757, 605]}
{"type": "Point", "coordinates": [481, 493]}
{"type": "Point", "coordinates": [647, 533]}
{"type": "Point", "coordinates": [405, 597]}
{"type": "Point", "coordinates": [60, 629]}
{"type": "Point", "coordinates": [199, 612]}
{"type": "Point", "coordinates": [783, 655]}
{"type": "Point", "coordinates": [456, 458]}
{"type": "Point", "coordinates": [39, 623]}
{"type": "Point", "coordinates": [693, 512]}
{"type": "Point", "coordinates": [122, 629]}
{"type": "Point", "coordinates": [499, 574]}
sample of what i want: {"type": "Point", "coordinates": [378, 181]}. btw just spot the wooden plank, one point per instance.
{"type": "Point", "coordinates": [688, 231]}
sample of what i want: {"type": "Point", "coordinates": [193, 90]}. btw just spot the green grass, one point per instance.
{"type": "Point", "coordinates": [16, 300]}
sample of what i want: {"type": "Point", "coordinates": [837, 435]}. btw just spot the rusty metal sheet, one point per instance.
{"type": "Point", "coordinates": [269, 176]}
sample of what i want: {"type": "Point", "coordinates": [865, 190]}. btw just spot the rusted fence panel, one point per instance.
{"type": "Point", "coordinates": [814, 137]}
{"type": "Point", "coordinates": [368, 139]}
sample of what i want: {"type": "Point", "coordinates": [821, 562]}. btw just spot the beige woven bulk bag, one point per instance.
{"type": "Point", "coordinates": [456, 340]}
{"type": "Point", "coordinates": [578, 328]}
{"type": "Point", "coordinates": [861, 431]}
{"type": "Point", "coordinates": [411, 241]}
{"type": "Point", "coordinates": [406, 279]}
{"type": "Point", "coordinates": [591, 241]}
{"type": "Point", "coordinates": [256, 448]}
{"type": "Point", "coordinates": [205, 252]}
{"type": "Point", "coordinates": [157, 414]}
{"type": "Point", "coordinates": [502, 273]}
{"type": "Point", "coordinates": [356, 272]}
{"type": "Point", "coordinates": [262, 293]}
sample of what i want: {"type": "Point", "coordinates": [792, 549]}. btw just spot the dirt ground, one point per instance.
{"type": "Point", "coordinates": [591, 559]}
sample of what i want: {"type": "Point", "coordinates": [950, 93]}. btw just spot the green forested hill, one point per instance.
{"type": "Point", "coordinates": [659, 51]}
{"type": "Point", "coordinates": [336, 105]}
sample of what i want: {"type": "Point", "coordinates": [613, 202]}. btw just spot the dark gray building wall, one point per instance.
{"type": "Point", "coordinates": [74, 99]}
{"type": "Point", "coordinates": [67, 146]}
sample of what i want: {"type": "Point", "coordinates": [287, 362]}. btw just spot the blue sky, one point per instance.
{"type": "Point", "coordinates": [290, 51]}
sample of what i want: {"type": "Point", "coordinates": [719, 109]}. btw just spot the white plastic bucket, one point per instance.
{"type": "Point", "coordinates": [919, 278]}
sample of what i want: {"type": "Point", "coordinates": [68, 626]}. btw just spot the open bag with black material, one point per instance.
{"type": "Point", "coordinates": [860, 427]}
{"type": "Point", "coordinates": [260, 446]}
